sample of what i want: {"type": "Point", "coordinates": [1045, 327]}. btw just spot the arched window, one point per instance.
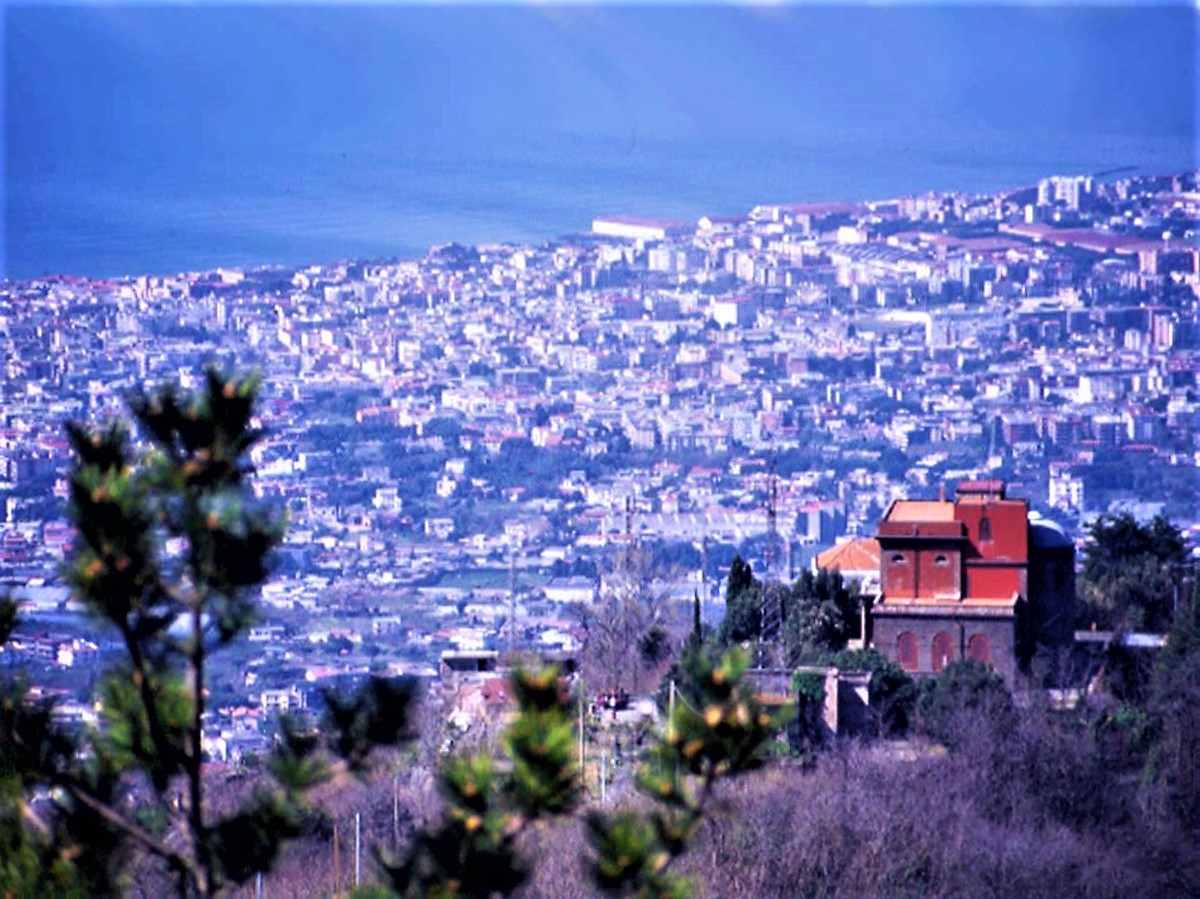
{"type": "Point", "coordinates": [940, 560]}
{"type": "Point", "coordinates": [979, 649]}
{"type": "Point", "coordinates": [943, 650]}
{"type": "Point", "coordinates": [985, 529]}
{"type": "Point", "coordinates": [898, 558]}
{"type": "Point", "coordinates": [906, 651]}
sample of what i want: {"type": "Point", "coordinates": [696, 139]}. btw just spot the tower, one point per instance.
{"type": "Point", "coordinates": [771, 550]}
{"type": "Point", "coordinates": [772, 592]}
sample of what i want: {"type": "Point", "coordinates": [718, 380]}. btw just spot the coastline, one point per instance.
{"type": "Point", "coordinates": [251, 261]}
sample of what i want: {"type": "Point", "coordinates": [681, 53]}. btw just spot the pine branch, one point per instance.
{"type": "Point", "coordinates": [114, 818]}
{"type": "Point", "coordinates": [195, 759]}
{"type": "Point", "coordinates": [158, 734]}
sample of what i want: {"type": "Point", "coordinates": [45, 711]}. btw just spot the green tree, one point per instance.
{"type": "Point", "coordinates": [35, 859]}
{"type": "Point", "coordinates": [685, 671]}
{"type": "Point", "coordinates": [743, 605]}
{"type": "Point", "coordinates": [171, 547]}
{"type": "Point", "coordinates": [717, 732]}
{"type": "Point", "coordinates": [136, 787]}
{"type": "Point", "coordinates": [821, 614]}
{"type": "Point", "coordinates": [1174, 709]}
{"type": "Point", "coordinates": [653, 646]}
{"type": "Point", "coordinates": [473, 850]}
{"type": "Point", "coordinates": [965, 700]}
{"type": "Point", "coordinates": [1115, 539]}
{"type": "Point", "coordinates": [741, 578]}
{"type": "Point", "coordinates": [1130, 573]}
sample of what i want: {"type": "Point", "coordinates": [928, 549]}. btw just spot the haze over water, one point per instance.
{"type": "Point", "coordinates": [143, 139]}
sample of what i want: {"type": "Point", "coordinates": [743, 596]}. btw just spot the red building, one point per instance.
{"type": "Point", "coordinates": [956, 582]}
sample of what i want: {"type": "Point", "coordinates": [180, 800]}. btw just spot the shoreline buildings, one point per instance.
{"type": "Point", "coordinates": [462, 440]}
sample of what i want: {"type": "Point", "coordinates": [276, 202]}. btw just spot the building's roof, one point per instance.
{"type": "Point", "coordinates": [972, 606]}
{"type": "Point", "coordinates": [990, 489]}
{"type": "Point", "coordinates": [1046, 534]}
{"type": "Point", "coordinates": [644, 221]}
{"type": "Point", "coordinates": [862, 554]}
{"type": "Point", "coordinates": [914, 510]}
{"type": "Point", "coordinates": [1089, 238]}
{"type": "Point", "coordinates": [818, 209]}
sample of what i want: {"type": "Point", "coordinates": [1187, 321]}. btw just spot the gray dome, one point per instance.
{"type": "Point", "coordinates": [1046, 534]}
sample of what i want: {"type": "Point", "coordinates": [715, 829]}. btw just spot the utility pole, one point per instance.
{"type": "Point", "coordinates": [337, 861]}
{"type": "Point", "coordinates": [357, 849]}
{"type": "Point", "coordinates": [771, 553]}
{"type": "Point", "coordinates": [582, 702]}
{"type": "Point", "coordinates": [603, 773]}
{"type": "Point", "coordinates": [671, 724]}
{"type": "Point", "coordinates": [512, 600]}
{"type": "Point", "coordinates": [396, 813]}
{"type": "Point", "coordinates": [771, 610]}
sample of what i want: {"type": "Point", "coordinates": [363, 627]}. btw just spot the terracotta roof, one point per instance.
{"type": "Point", "coordinates": [1088, 238]}
{"type": "Point", "coordinates": [862, 554]}
{"type": "Point", "coordinates": [916, 510]}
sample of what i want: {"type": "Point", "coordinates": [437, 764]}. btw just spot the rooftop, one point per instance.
{"type": "Point", "coordinates": [852, 555]}
{"type": "Point", "coordinates": [914, 510]}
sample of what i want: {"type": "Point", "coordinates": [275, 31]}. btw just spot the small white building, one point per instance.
{"type": "Point", "coordinates": [282, 701]}
{"type": "Point", "coordinates": [1066, 490]}
{"type": "Point", "coordinates": [735, 312]}
{"type": "Point", "coordinates": [632, 227]}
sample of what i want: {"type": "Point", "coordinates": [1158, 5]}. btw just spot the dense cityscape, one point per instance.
{"type": "Point", "coordinates": [463, 441]}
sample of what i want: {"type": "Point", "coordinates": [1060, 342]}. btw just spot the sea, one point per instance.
{"type": "Point", "coordinates": [153, 139]}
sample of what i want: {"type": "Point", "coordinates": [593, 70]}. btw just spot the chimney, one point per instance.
{"type": "Point", "coordinates": [942, 492]}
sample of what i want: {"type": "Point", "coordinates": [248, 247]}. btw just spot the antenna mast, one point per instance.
{"type": "Point", "coordinates": [512, 600]}
{"type": "Point", "coordinates": [771, 551]}
{"type": "Point", "coordinates": [772, 590]}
